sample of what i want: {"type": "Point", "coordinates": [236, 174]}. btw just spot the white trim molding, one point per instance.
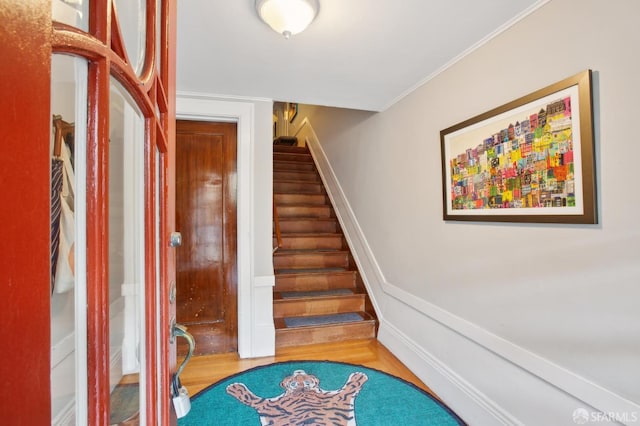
{"type": "Point", "coordinates": [66, 416]}
{"type": "Point", "coordinates": [264, 328]}
{"type": "Point", "coordinates": [192, 106]}
{"type": "Point", "coordinates": [486, 39]}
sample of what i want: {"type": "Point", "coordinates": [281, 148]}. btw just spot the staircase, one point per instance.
{"type": "Point", "coordinates": [319, 296]}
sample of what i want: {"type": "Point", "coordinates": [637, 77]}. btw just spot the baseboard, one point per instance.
{"type": "Point", "coordinates": [62, 349]}
{"type": "Point", "coordinates": [354, 235]}
{"type": "Point", "coordinates": [63, 389]}
{"type": "Point", "coordinates": [116, 315]}
{"type": "Point", "coordinates": [66, 416]}
{"type": "Point", "coordinates": [264, 331]}
{"type": "Point", "coordinates": [504, 351]}
{"type": "Point", "coordinates": [264, 281]}
{"type": "Point", "coordinates": [477, 406]}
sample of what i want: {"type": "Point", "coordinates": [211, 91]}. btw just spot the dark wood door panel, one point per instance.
{"type": "Point", "coordinates": [199, 195]}
{"type": "Point", "coordinates": [206, 216]}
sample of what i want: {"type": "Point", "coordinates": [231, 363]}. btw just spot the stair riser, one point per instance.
{"type": "Point", "coordinates": [315, 282]}
{"type": "Point", "coordinates": [301, 243]}
{"type": "Point", "coordinates": [296, 176]}
{"type": "Point", "coordinates": [283, 199]}
{"type": "Point", "coordinates": [306, 226]}
{"type": "Point", "coordinates": [290, 166]}
{"type": "Point", "coordinates": [324, 334]}
{"type": "Point", "coordinates": [298, 187]}
{"type": "Point", "coordinates": [304, 211]}
{"type": "Point", "coordinates": [310, 260]}
{"type": "Point", "coordinates": [318, 306]}
{"type": "Point", "coordinates": [291, 149]}
{"type": "Point", "coordinates": [293, 157]}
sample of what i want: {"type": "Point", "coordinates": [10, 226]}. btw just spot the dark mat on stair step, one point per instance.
{"type": "Point", "coordinates": [322, 320]}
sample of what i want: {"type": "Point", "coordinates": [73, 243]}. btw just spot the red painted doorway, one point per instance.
{"type": "Point", "coordinates": [29, 37]}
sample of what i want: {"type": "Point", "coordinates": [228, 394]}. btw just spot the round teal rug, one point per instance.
{"type": "Point", "coordinates": [316, 393]}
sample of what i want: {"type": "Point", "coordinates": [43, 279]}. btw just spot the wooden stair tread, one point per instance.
{"type": "Point", "coordinates": [318, 295]}
{"type": "Point", "coordinates": [310, 258]}
{"type": "Point", "coordinates": [284, 180]}
{"type": "Point", "coordinates": [296, 198]}
{"type": "Point", "coordinates": [314, 321]}
{"type": "Point", "coordinates": [290, 148]}
{"type": "Point", "coordinates": [287, 337]}
{"type": "Point", "coordinates": [283, 208]}
{"type": "Point", "coordinates": [293, 295]}
{"type": "Point", "coordinates": [302, 205]}
{"type": "Point", "coordinates": [293, 156]}
{"type": "Point", "coordinates": [333, 304]}
{"type": "Point", "coordinates": [308, 271]}
{"type": "Point", "coordinates": [292, 166]}
{"type": "Point", "coordinates": [277, 162]}
{"type": "Point", "coordinates": [298, 187]}
{"type": "Point", "coordinates": [310, 234]}
{"type": "Point", "coordinates": [306, 224]}
{"type": "Point", "coordinates": [311, 171]}
{"type": "Point", "coordinates": [298, 192]}
{"type": "Point", "coordinates": [310, 280]}
{"type": "Point", "coordinates": [296, 211]}
{"type": "Point", "coordinates": [307, 182]}
{"type": "Point", "coordinates": [310, 242]}
{"type": "Point", "coordinates": [308, 218]}
{"type": "Point", "coordinates": [295, 175]}
{"type": "Point", "coordinates": [310, 251]}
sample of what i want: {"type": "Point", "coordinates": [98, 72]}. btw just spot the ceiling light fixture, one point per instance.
{"type": "Point", "coordinates": [287, 17]}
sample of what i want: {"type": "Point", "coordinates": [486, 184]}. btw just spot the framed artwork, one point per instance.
{"type": "Point", "coordinates": [531, 160]}
{"type": "Point", "coordinates": [292, 111]}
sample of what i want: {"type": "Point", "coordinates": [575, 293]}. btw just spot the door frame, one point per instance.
{"type": "Point", "coordinates": [256, 333]}
{"type": "Point", "coordinates": [30, 37]}
{"type": "Point", "coordinates": [25, 117]}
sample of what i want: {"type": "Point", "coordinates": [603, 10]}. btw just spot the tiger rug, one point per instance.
{"type": "Point", "coordinates": [304, 402]}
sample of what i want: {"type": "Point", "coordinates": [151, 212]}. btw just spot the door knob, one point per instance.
{"type": "Point", "coordinates": [175, 239]}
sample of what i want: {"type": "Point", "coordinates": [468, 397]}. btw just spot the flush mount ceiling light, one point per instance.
{"type": "Point", "coordinates": [287, 17]}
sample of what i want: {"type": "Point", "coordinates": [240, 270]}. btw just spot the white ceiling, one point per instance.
{"type": "Point", "coordinates": [362, 54]}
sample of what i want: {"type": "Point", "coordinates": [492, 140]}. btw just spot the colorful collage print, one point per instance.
{"type": "Point", "coordinates": [529, 164]}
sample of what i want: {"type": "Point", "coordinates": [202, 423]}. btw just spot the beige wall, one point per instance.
{"type": "Point", "coordinates": [528, 304]}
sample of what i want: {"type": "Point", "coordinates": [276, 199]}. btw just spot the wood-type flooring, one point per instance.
{"type": "Point", "coordinates": [204, 370]}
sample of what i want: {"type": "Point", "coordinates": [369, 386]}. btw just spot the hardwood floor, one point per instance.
{"type": "Point", "coordinates": [204, 370]}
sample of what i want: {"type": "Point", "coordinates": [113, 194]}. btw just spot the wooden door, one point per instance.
{"type": "Point", "coordinates": [25, 120]}
{"type": "Point", "coordinates": [29, 36]}
{"type": "Point", "coordinates": [206, 264]}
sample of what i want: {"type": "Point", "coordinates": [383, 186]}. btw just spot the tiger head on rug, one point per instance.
{"type": "Point", "coordinates": [304, 402]}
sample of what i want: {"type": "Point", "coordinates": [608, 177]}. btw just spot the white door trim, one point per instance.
{"type": "Point", "coordinates": [204, 108]}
